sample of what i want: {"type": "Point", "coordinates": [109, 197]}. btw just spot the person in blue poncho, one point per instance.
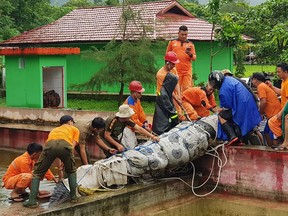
{"type": "Point", "coordinates": [239, 114]}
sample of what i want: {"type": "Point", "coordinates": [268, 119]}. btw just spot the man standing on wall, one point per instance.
{"type": "Point", "coordinates": [186, 53]}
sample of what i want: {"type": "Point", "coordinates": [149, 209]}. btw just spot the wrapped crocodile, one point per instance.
{"type": "Point", "coordinates": [177, 147]}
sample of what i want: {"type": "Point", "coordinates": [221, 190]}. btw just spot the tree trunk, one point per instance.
{"type": "Point", "coordinates": [211, 46]}
{"type": "Point", "coordinates": [120, 98]}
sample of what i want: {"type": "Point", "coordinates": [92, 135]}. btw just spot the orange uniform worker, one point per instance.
{"type": "Point", "coordinates": [60, 144]}
{"type": "Point", "coordinates": [211, 98]}
{"type": "Point", "coordinates": [139, 117]}
{"type": "Point", "coordinates": [269, 102]}
{"type": "Point", "coordinates": [196, 103]}
{"type": "Point", "coordinates": [185, 51]}
{"type": "Point", "coordinates": [165, 116]}
{"type": "Point", "coordinates": [19, 173]}
{"type": "Point", "coordinates": [169, 67]}
{"type": "Point", "coordinates": [275, 122]}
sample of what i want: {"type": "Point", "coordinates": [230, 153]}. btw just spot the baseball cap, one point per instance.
{"type": "Point", "coordinates": [66, 118]}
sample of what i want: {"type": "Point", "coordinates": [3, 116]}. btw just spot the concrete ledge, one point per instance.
{"type": "Point", "coordinates": [47, 116]}
{"type": "Point", "coordinates": [134, 198]}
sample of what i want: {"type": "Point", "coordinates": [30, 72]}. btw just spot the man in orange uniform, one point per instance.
{"type": "Point", "coordinates": [60, 144]}
{"type": "Point", "coordinates": [275, 122]}
{"type": "Point", "coordinates": [269, 102]}
{"type": "Point", "coordinates": [170, 61]}
{"type": "Point", "coordinates": [19, 173]}
{"type": "Point", "coordinates": [185, 51]}
{"type": "Point", "coordinates": [196, 103]}
{"type": "Point", "coordinates": [211, 98]}
{"type": "Point", "coordinates": [168, 92]}
{"type": "Point", "coordinates": [134, 102]}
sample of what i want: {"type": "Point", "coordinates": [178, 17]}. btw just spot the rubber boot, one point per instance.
{"type": "Point", "coordinates": [230, 133]}
{"type": "Point", "coordinates": [73, 186]}
{"type": "Point", "coordinates": [32, 202]}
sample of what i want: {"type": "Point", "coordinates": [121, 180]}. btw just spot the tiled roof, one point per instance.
{"type": "Point", "coordinates": [103, 24]}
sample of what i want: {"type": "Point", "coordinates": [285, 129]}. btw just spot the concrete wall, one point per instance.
{"type": "Point", "coordinates": [255, 171]}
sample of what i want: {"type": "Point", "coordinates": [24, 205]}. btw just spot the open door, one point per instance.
{"type": "Point", "coordinates": [53, 87]}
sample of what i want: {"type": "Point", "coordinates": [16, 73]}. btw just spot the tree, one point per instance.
{"type": "Point", "coordinates": [130, 59]}
{"type": "Point", "coordinates": [197, 10]}
{"type": "Point", "coordinates": [7, 27]}
{"type": "Point", "coordinates": [267, 24]}
{"type": "Point", "coordinates": [225, 30]}
{"type": "Point", "coordinates": [78, 3]}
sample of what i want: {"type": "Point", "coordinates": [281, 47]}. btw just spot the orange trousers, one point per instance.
{"type": "Point", "coordinates": [193, 115]}
{"type": "Point", "coordinates": [185, 81]}
{"type": "Point", "coordinates": [22, 180]}
{"type": "Point", "coordinates": [275, 125]}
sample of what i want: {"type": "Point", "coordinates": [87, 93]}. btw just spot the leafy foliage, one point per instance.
{"type": "Point", "coordinates": [78, 3]}
{"type": "Point", "coordinates": [125, 61]}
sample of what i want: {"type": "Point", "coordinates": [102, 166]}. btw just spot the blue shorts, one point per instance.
{"type": "Point", "coordinates": [268, 131]}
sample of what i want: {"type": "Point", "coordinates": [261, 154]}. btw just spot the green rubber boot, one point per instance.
{"type": "Point", "coordinates": [32, 202]}
{"type": "Point", "coordinates": [73, 185]}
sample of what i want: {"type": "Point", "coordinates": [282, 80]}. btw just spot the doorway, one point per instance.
{"type": "Point", "coordinates": [53, 87]}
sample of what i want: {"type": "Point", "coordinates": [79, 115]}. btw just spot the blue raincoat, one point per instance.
{"type": "Point", "coordinates": [235, 96]}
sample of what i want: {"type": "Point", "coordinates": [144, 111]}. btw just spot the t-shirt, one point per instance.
{"type": "Point", "coordinates": [284, 92]}
{"type": "Point", "coordinates": [272, 102]}
{"type": "Point", "coordinates": [87, 135]}
{"type": "Point", "coordinates": [139, 116]}
{"type": "Point", "coordinates": [115, 127]}
{"type": "Point", "coordinates": [65, 132]}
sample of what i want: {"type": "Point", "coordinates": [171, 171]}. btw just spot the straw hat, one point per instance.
{"type": "Point", "coordinates": [227, 72]}
{"type": "Point", "coordinates": [125, 111]}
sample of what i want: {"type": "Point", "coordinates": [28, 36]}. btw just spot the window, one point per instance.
{"type": "Point", "coordinates": [21, 63]}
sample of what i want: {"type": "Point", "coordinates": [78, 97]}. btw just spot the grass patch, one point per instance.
{"type": "Point", "coordinates": [250, 69]}
{"type": "Point", "coordinates": [104, 105]}
{"type": "Point", "coordinates": [2, 102]}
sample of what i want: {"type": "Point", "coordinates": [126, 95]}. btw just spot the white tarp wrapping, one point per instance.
{"type": "Point", "coordinates": [184, 143]}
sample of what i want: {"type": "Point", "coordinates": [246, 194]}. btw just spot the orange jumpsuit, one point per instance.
{"type": "Point", "coordinates": [139, 116]}
{"type": "Point", "coordinates": [275, 123]}
{"type": "Point", "coordinates": [192, 101]}
{"type": "Point", "coordinates": [19, 173]}
{"type": "Point", "coordinates": [184, 67]}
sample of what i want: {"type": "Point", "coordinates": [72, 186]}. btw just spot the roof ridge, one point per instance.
{"type": "Point", "coordinates": [117, 6]}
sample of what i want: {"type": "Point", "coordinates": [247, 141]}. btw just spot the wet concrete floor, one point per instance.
{"type": "Point", "coordinates": [6, 157]}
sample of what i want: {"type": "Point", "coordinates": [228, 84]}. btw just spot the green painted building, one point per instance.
{"type": "Point", "coordinates": [49, 58]}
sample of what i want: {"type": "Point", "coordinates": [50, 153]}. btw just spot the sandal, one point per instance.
{"type": "Point", "coordinates": [17, 199]}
